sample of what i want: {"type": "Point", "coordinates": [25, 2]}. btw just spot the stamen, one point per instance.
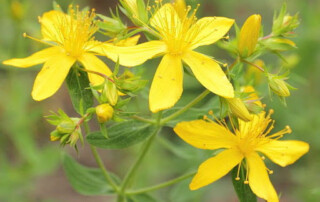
{"type": "Point", "coordinates": [238, 172]}
{"type": "Point", "coordinates": [247, 174]}
{"type": "Point", "coordinates": [35, 39]}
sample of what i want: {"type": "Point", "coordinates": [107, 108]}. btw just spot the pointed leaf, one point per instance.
{"type": "Point", "coordinates": [80, 93]}
{"type": "Point", "coordinates": [85, 180]}
{"type": "Point", "coordinates": [122, 135]}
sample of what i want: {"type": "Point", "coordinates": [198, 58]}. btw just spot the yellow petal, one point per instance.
{"type": "Point", "coordinates": [208, 30]}
{"type": "Point", "coordinates": [91, 62]}
{"type": "Point", "coordinates": [205, 135]}
{"type": "Point", "coordinates": [209, 74]}
{"type": "Point", "coordinates": [34, 59]}
{"type": "Point", "coordinates": [249, 35]}
{"type": "Point", "coordinates": [51, 76]}
{"type": "Point", "coordinates": [252, 95]}
{"type": "Point", "coordinates": [131, 41]}
{"type": "Point", "coordinates": [166, 19]}
{"type": "Point", "coordinates": [215, 168]}
{"type": "Point", "coordinates": [284, 152]}
{"type": "Point", "coordinates": [51, 25]}
{"type": "Point", "coordinates": [259, 179]}
{"type": "Point", "coordinates": [181, 7]}
{"type": "Point", "coordinates": [132, 55]}
{"type": "Point", "coordinates": [166, 87]}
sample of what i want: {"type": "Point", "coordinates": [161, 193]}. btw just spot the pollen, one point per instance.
{"type": "Point", "coordinates": [76, 30]}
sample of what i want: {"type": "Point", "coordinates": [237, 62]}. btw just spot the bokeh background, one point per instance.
{"type": "Point", "coordinates": [30, 168]}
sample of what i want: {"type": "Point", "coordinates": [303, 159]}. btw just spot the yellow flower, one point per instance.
{"type": "Point", "coordinates": [71, 39]}
{"type": "Point", "coordinates": [249, 35]}
{"type": "Point", "coordinates": [178, 38]}
{"type": "Point", "coordinates": [245, 144]}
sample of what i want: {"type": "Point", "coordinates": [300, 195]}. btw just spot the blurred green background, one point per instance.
{"type": "Point", "coordinates": [30, 164]}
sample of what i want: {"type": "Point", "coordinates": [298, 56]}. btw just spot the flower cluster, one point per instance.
{"type": "Point", "coordinates": [174, 33]}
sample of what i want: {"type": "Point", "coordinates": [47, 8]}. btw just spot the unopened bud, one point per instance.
{"type": "Point", "coordinates": [55, 135]}
{"type": "Point", "coordinates": [249, 35]}
{"type": "Point", "coordinates": [238, 109]}
{"type": "Point", "coordinates": [66, 126]}
{"type": "Point", "coordinates": [111, 92]}
{"type": "Point", "coordinates": [279, 86]}
{"type": "Point", "coordinates": [74, 137]}
{"type": "Point", "coordinates": [104, 112]}
{"type": "Point", "coordinates": [17, 10]}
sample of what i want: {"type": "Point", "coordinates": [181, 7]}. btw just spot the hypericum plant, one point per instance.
{"type": "Point", "coordinates": [173, 31]}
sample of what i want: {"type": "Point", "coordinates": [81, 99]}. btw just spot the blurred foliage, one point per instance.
{"type": "Point", "coordinates": [26, 153]}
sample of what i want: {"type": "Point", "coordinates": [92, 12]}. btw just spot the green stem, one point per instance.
{"type": "Point", "coordinates": [103, 169]}
{"type": "Point", "coordinates": [143, 119]}
{"type": "Point", "coordinates": [143, 153]}
{"type": "Point", "coordinates": [250, 63]}
{"type": "Point", "coordinates": [185, 108]}
{"type": "Point", "coordinates": [162, 185]}
{"type": "Point", "coordinates": [100, 163]}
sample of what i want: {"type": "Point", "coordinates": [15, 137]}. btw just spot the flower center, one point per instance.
{"type": "Point", "coordinates": [76, 31]}
{"type": "Point", "coordinates": [256, 132]}
{"type": "Point", "coordinates": [174, 28]}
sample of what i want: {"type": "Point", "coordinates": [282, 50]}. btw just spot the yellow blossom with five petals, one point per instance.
{"type": "Point", "coordinates": [71, 39]}
{"type": "Point", "coordinates": [179, 36]}
{"type": "Point", "coordinates": [246, 143]}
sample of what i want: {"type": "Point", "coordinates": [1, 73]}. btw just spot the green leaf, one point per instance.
{"type": "Point", "coordinates": [141, 198]}
{"type": "Point", "coordinates": [85, 180]}
{"type": "Point", "coordinates": [244, 192]}
{"type": "Point", "coordinates": [122, 135]}
{"type": "Point", "coordinates": [80, 93]}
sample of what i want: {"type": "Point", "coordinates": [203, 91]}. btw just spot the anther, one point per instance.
{"type": "Point", "coordinates": [237, 178]}
{"type": "Point", "coordinates": [246, 182]}
{"type": "Point", "coordinates": [263, 158]}
{"type": "Point", "coordinates": [270, 172]}
{"type": "Point", "coordinates": [210, 112]}
{"type": "Point", "coordinates": [24, 35]}
{"type": "Point", "coordinates": [288, 129]}
{"type": "Point", "coordinates": [225, 64]}
{"type": "Point", "coordinates": [271, 111]}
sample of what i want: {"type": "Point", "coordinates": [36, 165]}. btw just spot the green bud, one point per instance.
{"type": "Point", "coordinates": [128, 82]}
{"type": "Point", "coordinates": [55, 135]}
{"type": "Point", "coordinates": [136, 11]}
{"type": "Point", "coordinates": [279, 86]}
{"type": "Point", "coordinates": [110, 91]}
{"type": "Point", "coordinates": [66, 126]}
{"type": "Point", "coordinates": [111, 26]}
{"type": "Point", "coordinates": [284, 24]}
{"type": "Point", "coordinates": [238, 108]}
{"type": "Point", "coordinates": [74, 137]}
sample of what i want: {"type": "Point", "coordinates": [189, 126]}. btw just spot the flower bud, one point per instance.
{"type": "Point", "coordinates": [111, 92]}
{"type": "Point", "coordinates": [55, 135]}
{"type": "Point", "coordinates": [136, 10]}
{"type": "Point", "coordinates": [74, 137]}
{"type": "Point", "coordinates": [279, 86]}
{"type": "Point", "coordinates": [104, 112]}
{"type": "Point", "coordinates": [66, 126]}
{"type": "Point", "coordinates": [17, 10]}
{"type": "Point", "coordinates": [249, 35]}
{"type": "Point", "coordinates": [238, 109]}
